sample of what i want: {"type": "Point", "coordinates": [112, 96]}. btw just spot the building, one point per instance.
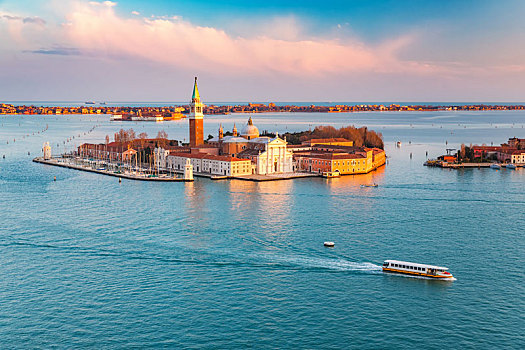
{"type": "Point", "coordinates": [269, 155]}
{"type": "Point", "coordinates": [209, 164]}
{"type": "Point", "coordinates": [196, 118]}
{"type": "Point", "coordinates": [250, 131]}
{"type": "Point", "coordinates": [511, 155]}
{"type": "Point", "coordinates": [484, 151]}
{"type": "Point", "coordinates": [342, 159]}
{"type": "Point", "coordinates": [516, 143]}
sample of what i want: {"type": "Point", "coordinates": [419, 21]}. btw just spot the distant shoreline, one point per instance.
{"type": "Point", "coordinates": [211, 109]}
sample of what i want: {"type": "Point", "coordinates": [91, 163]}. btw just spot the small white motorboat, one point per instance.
{"type": "Point", "coordinates": [510, 166]}
{"type": "Point", "coordinates": [495, 166]}
{"type": "Point", "coordinates": [329, 244]}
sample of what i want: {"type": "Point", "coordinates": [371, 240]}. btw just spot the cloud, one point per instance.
{"type": "Point", "coordinates": [25, 20]}
{"type": "Point", "coordinates": [96, 27]}
{"type": "Point", "coordinates": [136, 13]}
{"type": "Point", "coordinates": [35, 20]}
{"type": "Point", "coordinates": [63, 51]}
{"type": "Point", "coordinates": [103, 3]}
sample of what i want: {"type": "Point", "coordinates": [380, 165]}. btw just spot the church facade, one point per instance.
{"type": "Point", "coordinates": [269, 155]}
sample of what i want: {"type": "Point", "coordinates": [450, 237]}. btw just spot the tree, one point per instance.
{"type": "Point", "coordinates": [360, 136]}
{"type": "Point", "coordinates": [162, 135]}
{"type": "Point", "coordinates": [162, 139]}
{"type": "Point", "coordinates": [142, 139]}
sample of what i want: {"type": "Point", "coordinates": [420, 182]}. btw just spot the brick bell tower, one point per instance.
{"type": "Point", "coordinates": [196, 118]}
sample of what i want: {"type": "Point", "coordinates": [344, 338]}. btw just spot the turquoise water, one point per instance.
{"type": "Point", "coordinates": [89, 262]}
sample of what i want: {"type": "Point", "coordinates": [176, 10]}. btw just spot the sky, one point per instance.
{"type": "Point", "coordinates": [251, 51]}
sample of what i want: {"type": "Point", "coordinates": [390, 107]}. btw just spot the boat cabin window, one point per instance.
{"type": "Point", "coordinates": [385, 264]}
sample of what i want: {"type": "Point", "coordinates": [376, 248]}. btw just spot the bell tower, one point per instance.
{"type": "Point", "coordinates": [196, 118]}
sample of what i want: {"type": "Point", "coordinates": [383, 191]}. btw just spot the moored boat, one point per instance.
{"type": "Point", "coordinates": [331, 174]}
{"type": "Point", "coordinates": [495, 166]}
{"type": "Point", "coordinates": [414, 269]}
{"type": "Point", "coordinates": [510, 166]}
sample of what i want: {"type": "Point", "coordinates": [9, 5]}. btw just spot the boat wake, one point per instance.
{"type": "Point", "coordinates": [326, 264]}
{"type": "Point", "coordinates": [255, 260]}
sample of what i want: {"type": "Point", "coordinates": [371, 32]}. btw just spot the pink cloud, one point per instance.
{"type": "Point", "coordinates": [95, 27]}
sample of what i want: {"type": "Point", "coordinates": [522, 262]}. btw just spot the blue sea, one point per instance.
{"type": "Point", "coordinates": [88, 262]}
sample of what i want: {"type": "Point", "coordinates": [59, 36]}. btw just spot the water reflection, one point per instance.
{"type": "Point", "coordinates": [343, 183]}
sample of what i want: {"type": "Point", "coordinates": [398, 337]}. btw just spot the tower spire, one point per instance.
{"type": "Point", "coordinates": [195, 97]}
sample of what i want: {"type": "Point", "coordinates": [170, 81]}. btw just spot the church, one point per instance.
{"type": "Point", "coordinates": [269, 155]}
{"type": "Point", "coordinates": [266, 155]}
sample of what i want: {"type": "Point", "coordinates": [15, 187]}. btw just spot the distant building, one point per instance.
{"type": "Point", "coordinates": [484, 151]}
{"type": "Point", "coordinates": [516, 143]}
{"type": "Point", "coordinates": [511, 155]}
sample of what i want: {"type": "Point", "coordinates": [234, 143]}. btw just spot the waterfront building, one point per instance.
{"type": "Point", "coordinates": [209, 164]}
{"type": "Point", "coordinates": [485, 151]}
{"type": "Point", "coordinates": [511, 155]}
{"type": "Point", "coordinates": [196, 118]}
{"type": "Point", "coordinates": [118, 151]}
{"type": "Point", "coordinates": [341, 159]}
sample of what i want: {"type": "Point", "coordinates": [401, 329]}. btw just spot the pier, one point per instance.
{"type": "Point", "coordinates": [162, 176]}
{"type": "Point", "coordinates": [68, 163]}
{"type": "Point", "coordinates": [465, 165]}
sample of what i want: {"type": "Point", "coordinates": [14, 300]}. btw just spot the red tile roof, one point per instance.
{"type": "Point", "coordinates": [207, 156]}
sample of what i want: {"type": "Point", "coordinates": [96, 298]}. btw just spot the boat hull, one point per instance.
{"type": "Point", "coordinates": [422, 274]}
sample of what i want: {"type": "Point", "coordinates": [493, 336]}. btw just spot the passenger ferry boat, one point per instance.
{"type": "Point", "coordinates": [413, 269]}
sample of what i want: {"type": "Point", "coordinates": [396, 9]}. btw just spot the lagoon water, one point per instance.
{"type": "Point", "coordinates": [89, 262]}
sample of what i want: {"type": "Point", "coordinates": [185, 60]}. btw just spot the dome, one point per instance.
{"type": "Point", "coordinates": [250, 131]}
